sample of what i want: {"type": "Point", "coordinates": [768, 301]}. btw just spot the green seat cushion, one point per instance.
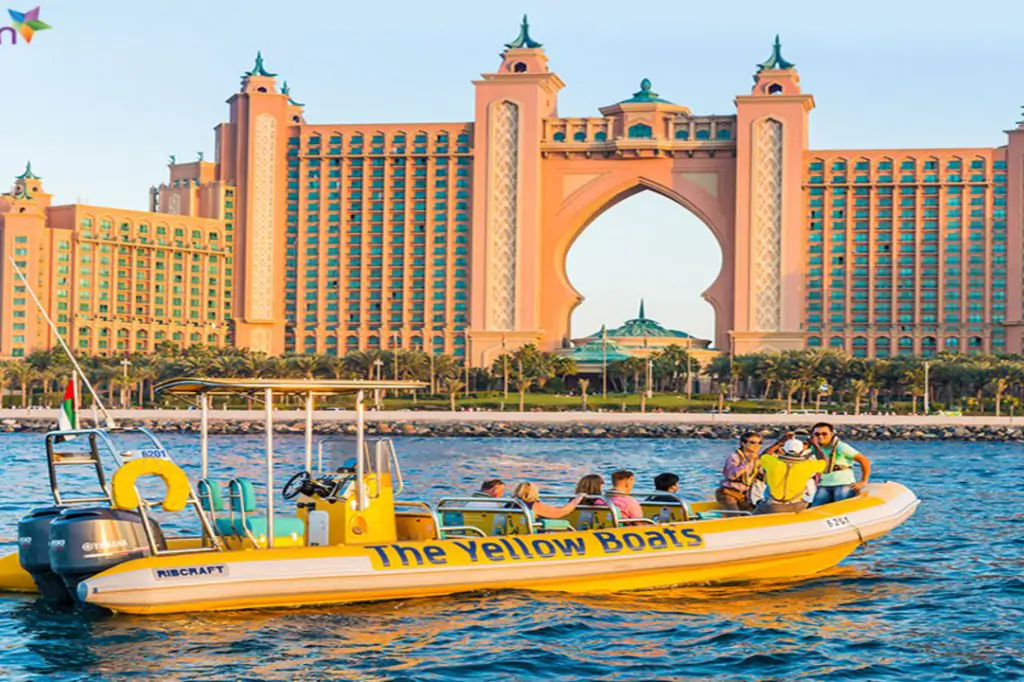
{"type": "Point", "coordinates": [210, 495]}
{"type": "Point", "coordinates": [223, 526]}
{"type": "Point", "coordinates": [554, 524]}
{"type": "Point", "coordinates": [242, 494]}
{"type": "Point", "coordinates": [284, 526]}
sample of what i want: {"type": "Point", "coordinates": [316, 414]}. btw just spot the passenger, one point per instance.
{"type": "Point", "coordinates": [530, 495]}
{"type": "Point", "coordinates": [741, 469]}
{"type": "Point", "coordinates": [667, 483]}
{"type": "Point", "coordinates": [490, 489]}
{"type": "Point", "coordinates": [622, 485]}
{"type": "Point", "coordinates": [591, 485]}
{"type": "Point", "coordinates": [837, 483]}
{"type": "Point", "coordinates": [787, 476]}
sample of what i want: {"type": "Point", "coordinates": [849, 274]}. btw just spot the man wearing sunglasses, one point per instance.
{"type": "Point", "coordinates": [838, 481]}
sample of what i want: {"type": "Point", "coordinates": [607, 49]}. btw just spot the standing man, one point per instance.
{"type": "Point", "coordinates": [838, 481]}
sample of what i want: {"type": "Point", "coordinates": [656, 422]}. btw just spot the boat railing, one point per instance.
{"type": "Point", "coordinates": [210, 542]}
{"type": "Point", "coordinates": [72, 454]}
{"type": "Point", "coordinates": [482, 505]}
{"type": "Point", "coordinates": [666, 499]}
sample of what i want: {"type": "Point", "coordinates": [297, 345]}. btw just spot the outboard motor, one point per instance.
{"type": "Point", "coordinates": [86, 541]}
{"type": "Point", "coordinates": [34, 554]}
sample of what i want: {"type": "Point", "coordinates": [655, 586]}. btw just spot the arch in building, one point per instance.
{"type": "Point", "coordinates": [706, 194]}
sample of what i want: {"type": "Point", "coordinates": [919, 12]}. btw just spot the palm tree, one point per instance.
{"type": "Point", "coordinates": [584, 385]}
{"type": "Point", "coordinates": [452, 386]}
{"type": "Point", "coordinates": [859, 388]}
{"type": "Point", "coordinates": [24, 374]}
{"type": "Point", "coordinates": [6, 373]}
{"type": "Point", "coordinates": [791, 386]}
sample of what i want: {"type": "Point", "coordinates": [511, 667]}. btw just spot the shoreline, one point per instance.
{"type": "Point", "coordinates": [544, 424]}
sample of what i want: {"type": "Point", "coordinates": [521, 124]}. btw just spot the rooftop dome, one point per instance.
{"type": "Point", "coordinates": [641, 326]}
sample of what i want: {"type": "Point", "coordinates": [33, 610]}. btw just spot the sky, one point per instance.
{"type": "Point", "coordinates": [100, 101]}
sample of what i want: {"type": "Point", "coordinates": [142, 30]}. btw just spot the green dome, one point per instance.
{"type": "Point", "coordinates": [641, 326]}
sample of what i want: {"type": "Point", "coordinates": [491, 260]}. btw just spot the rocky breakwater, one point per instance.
{"type": "Point", "coordinates": [562, 429]}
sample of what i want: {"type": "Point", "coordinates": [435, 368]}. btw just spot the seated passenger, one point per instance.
{"type": "Point", "coordinates": [591, 485]}
{"type": "Point", "coordinates": [788, 475]}
{"type": "Point", "coordinates": [530, 495]}
{"type": "Point", "coordinates": [489, 489]}
{"type": "Point", "coordinates": [622, 485]}
{"type": "Point", "coordinates": [838, 482]}
{"type": "Point", "coordinates": [742, 467]}
{"type": "Point", "coordinates": [668, 483]}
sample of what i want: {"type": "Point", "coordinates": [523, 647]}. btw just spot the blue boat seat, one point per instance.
{"type": "Point", "coordinates": [242, 496]}
{"type": "Point", "coordinates": [211, 497]}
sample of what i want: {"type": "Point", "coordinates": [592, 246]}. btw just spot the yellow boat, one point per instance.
{"type": "Point", "coordinates": [351, 540]}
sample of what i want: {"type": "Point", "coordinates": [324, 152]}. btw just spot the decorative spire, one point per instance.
{"type": "Point", "coordinates": [21, 192]}
{"type": "Point", "coordinates": [776, 61]}
{"type": "Point", "coordinates": [285, 90]}
{"type": "Point", "coordinates": [642, 316]}
{"type": "Point", "coordinates": [645, 94]}
{"type": "Point", "coordinates": [1021, 121]}
{"type": "Point", "coordinates": [199, 157]}
{"type": "Point", "coordinates": [523, 39]}
{"type": "Point", "coordinates": [28, 174]}
{"type": "Point", "coordinates": [257, 68]}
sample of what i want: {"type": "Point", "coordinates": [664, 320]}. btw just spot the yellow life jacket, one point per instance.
{"type": "Point", "coordinates": [787, 477]}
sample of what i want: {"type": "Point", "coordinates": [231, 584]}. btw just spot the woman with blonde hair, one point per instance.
{"type": "Point", "coordinates": [529, 494]}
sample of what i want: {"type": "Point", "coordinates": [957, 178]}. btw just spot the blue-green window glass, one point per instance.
{"type": "Point", "coordinates": [640, 131]}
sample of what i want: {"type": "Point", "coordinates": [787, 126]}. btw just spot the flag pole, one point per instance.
{"type": "Point", "coordinates": [111, 424]}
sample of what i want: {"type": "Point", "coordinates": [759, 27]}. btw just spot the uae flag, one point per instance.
{"type": "Point", "coordinates": [67, 418]}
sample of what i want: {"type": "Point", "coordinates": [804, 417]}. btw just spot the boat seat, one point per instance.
{"type": "Point", "coordinates": [211, 496]}
{"type": "Point", "coordinates": [591, 517]}
{"type": "Point", "coordinates": [242, 496]}
{"type": "Point", "coordinates": [663, 507]}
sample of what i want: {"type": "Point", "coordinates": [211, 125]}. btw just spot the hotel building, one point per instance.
{"type": "Point", "coordinates": [452, 237]}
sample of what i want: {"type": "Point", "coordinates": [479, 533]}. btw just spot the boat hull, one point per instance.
{"type": "Point", "coordinates": [765, 547]}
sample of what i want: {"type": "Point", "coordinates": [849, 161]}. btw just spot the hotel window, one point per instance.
{"type": "Point", "coordinates": [640, 131]}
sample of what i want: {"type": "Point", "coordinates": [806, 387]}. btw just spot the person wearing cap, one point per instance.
{"type": "Point", "coordinates": [787, 475]}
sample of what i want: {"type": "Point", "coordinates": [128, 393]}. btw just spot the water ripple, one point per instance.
{"type": "Point", "coordinates": [940, 599]}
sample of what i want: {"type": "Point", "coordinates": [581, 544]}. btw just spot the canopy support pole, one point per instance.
{"type": "Point", "coordinates": [360, 454]}
{"type": "Point", "coordinates": [268, 398]}
{"type": "Point", "coordinates": [309, 433]}
{"type": "Point", "coordinates": [204, 434]}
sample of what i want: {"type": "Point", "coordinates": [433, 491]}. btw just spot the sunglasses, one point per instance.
{"type": "Point", "coordinates": [822, 434]}
{"type": "Point", "coordinates": [753, 442]}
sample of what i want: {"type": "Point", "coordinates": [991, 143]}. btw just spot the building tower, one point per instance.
{"type": "Point", "coordinates": [771, 138]}
{"type": "Point", "coordinates": [1015, 239]}
{"type": "Point", "coordinates": [511, 105]}
{"type": "Point", "coordinates": [251, 150]}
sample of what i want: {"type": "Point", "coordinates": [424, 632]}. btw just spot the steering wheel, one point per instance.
{"type": "Point", "coordinates": [304, 484]}
{"type": "Point", "coordinates": [296, 485]}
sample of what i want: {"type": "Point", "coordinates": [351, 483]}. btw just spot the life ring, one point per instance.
{"type": "Point", "coordinates": [126, 496]}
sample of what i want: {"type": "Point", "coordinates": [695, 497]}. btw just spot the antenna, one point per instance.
{"type": "Point", "coordinates": [111, 424]}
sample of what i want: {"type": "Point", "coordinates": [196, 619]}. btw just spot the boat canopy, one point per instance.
{"type": "Point", "coordinates": [201, 386]}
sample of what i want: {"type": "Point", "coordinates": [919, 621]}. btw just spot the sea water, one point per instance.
{"type": "Point", "coordinates": [940, 598]}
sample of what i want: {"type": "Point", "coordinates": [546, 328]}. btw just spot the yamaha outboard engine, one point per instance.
{"type": "Point", "coordinates": [86, 541]}
{"type": "Point", "coordinates": [34, 554]}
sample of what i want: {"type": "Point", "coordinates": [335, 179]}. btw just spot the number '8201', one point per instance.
{"type": "Point", "coordinates": [837, 522]}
